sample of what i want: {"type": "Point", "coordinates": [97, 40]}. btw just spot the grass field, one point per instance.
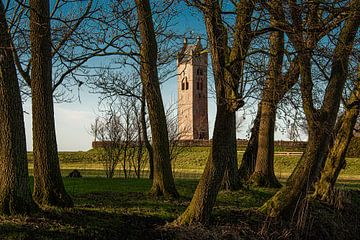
{"type": "Point", "coordinates": [121, 208]}
{"type": "Point", "coordinates": [188, 164]}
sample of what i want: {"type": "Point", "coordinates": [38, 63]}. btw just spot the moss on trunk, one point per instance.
{"type": "Point", "coordinates": [335, 161]}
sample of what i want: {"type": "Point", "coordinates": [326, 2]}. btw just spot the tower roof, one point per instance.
{"type": "Point", "coordinates": [188, 51]}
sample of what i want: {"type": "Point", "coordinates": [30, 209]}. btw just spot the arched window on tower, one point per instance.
{"type": "Point", "coordinates": [183, 85]}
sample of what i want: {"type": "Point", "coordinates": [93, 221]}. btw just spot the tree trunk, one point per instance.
{"type": "Point", "coordinates": [15, 195]}
{"type": "Point", "coordinates": [264, 169]}
{"type": "Point", "coordinates": [234, 78]}
{"type": "Point", "coordinates": [335, 161]}
{"type": "Point", "coordinates": [163, 181]}
{"type": "Point", "coordinates": [205, 194]}
{"type": "Point", "coordinates": [264, 175]}
{"type": "Point", "coordinates": [231, 179]}
{"type": "Point", "coordinates": [249, 159]}
{"type": "Point", "coordinates": [222, 150]}
{"type": "Point", "coordinates": [248, 162]}
{"type": "Point", "coordinates": [284, 202]}
{"type": "Point", "coordinates": [320, 121]}
{"type": "Point", "coordinates": [48, 185]}
{"type": "Point", "coordinates": [145, 136]}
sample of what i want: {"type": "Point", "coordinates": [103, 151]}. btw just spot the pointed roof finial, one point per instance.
{"type": "Point", "coordinates": [198, 40]}
{"type": "Point", "coordinates": [185, 40]}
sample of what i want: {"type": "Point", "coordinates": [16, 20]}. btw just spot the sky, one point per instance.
{"type": "Point", "coordinates": [73, 120]}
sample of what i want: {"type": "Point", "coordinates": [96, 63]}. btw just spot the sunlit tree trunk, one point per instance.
{"type": "Point", "coordinates": [222, 148]}
{"type": "Point", "coordinates": [163, 181]}
{"type": "Point", "coordinates": [48, 184]}
{"type": "Point", "coordinates": [335, 161]}
{"type": "Point", "coordinates": [15, 195]}
{"type": "Point", "coordinates": [320, 121]}
{"type": "Point", "coordinates": [264, 174]}
{"type": "Point", "coordinates": [231, 180]}
{"type": "Point", "coordinates": [235, 61]}
{"type": "Point", "coordinates": [249, 159]}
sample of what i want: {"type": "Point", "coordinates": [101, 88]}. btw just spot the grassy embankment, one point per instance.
{"type": "Point", "coordinates": [189, 163]}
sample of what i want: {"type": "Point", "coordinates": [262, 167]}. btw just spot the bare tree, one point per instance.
{"type": "Point", "coordinates": [343, 133]}
{"type": "Point", "coordinates": [120, 134]}
{"type": "Point", "coordinates": [48, 185]}
{"type": "Point", "coordinates": [163, 182]}
{"type": "Point", "coordinates": [15, 195]}
{"type": "Point", "coordinates": [322, 116]}
{"type": "Point", "coordinates": [228, 100]}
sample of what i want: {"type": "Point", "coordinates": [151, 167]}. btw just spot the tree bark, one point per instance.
{"type": "Point", "coordinates": [235, 61]}
{"type": "Point", "coordinates": [202, 203]}
{"type": "Point", "coordinates": [231, 179]}
{"type": "Point", "coordinates": [264, 174]}
{"type": "Point", "coordinates": [248, 162]}
{"type": "Point", "coordinates": [204, 198]}
{"type": "Point", "coordinates": [145, 135]}
{"type": "Point", "coordinates": [319, 121]}
{"type": "Point", "coordinates": [48, 184]}
{"type": "Point", "coordinates": [15, 195]}
{"type": "Point", "coordinates": [163, 181]}
{"type": "Point", "coordinates": [335, 161]}
{"type": "Point", "coordinates": [249, 159]}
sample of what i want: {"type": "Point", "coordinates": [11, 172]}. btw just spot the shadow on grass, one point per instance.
{"type": "Point", "coordinates": [82, 224]}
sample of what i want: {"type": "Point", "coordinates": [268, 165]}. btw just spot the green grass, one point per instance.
{"type": "Point", "coordinates": [188, 164]}
{"type": "Point", "coordinates": [122, 209]}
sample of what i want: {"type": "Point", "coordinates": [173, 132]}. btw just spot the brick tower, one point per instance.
{"type": "Point", "coordinates": [192, 62]}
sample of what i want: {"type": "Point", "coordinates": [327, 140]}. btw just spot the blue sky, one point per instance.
{"type": "Point", "coordinates": [73, 120]}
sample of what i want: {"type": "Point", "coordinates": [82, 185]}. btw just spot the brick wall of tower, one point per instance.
{"type": "Point", "coordinates": [185, 101]}
{"type": "Point", "coordinates": [200, 106]}
{"type": "Point", "coordinates": [192, 98]}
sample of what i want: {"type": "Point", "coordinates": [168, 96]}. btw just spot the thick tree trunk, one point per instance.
{"type": "Point", "coordinates": [264, 169]}
{"type": "Point", "coordinates": [320, 121]}
{"type": "Point", "coordinates": [205, 194]}
{"type": "Point", "coordinates": [248, 162]}
{"type": "Point", "coordinates": [222, 150]}
{"type": "Point", "coordinates": [285, 83]}
{"type": "Point", "coordinates": [163, 181]}
{"type": "Point", "coordinates": [335, 161]}
{"type": "Point", "coordinates": [231, 179]}
{"type": "Point", "coordinates": [15, 195]}
{"type": "Point", "coordinates": [264, 175]}
{"type": "Point", "coordinates": [48, 185]}
{"type": "Point", "coordinates": [283, 203]}
{"type": "Point", "coordinates": [234, 87]}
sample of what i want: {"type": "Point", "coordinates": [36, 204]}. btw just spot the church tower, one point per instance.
{"type": "Point", "coordinates": [192, 62]}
